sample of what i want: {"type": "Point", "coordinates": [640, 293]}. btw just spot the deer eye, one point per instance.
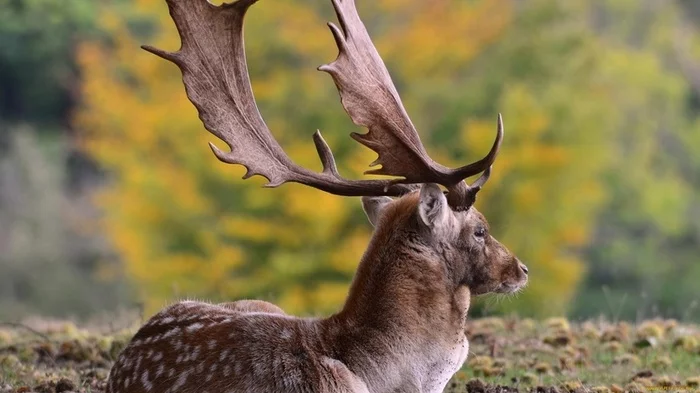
{"type": "Point", "coordinates": [480, 232]}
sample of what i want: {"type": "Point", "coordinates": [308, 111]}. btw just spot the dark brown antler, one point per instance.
{"type": "Point", "coordinates": [215, 74]}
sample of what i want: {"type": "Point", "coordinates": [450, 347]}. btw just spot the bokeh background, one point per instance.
{"type": "Point", "coordinates": [110, 198]}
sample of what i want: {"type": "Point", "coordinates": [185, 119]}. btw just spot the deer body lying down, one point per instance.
{"type": "Point", "coordinates": [402, 326]}
{"type": "Point", "coordinates": [400, 330]}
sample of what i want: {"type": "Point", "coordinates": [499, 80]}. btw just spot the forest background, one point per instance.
{"type": "Point", "coordinates": [110, 197]}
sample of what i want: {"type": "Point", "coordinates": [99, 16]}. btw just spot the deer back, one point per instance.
{"type": "Point", "coordinates": [199, 347]}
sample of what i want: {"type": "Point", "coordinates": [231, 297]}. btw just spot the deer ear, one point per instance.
{"type": "Point", "coordinates": [433, 207]}
{"type": "Point", "coordinates": [373, 207]}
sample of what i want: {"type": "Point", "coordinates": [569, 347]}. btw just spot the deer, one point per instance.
{"type": "Point", "coordinates": [402, 326]}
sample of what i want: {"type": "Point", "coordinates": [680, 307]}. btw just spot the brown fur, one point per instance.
{"type": "Point", "coordinates": [400, 330]}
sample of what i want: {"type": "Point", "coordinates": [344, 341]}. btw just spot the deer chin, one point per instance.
{"type": "Point", "coordinates": [507, 287]}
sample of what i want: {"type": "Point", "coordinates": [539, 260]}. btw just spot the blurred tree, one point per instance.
{"type": "Point", "coordinates": [186, 226]}
{"type": "Point", "coordinates": [48, 264]}
{"type": "Point", "coordinates": [38, 73]}
{"type": "Point", "coordinates": [51, 263]}
{"type": "Point", "coordinates": [643, 257]}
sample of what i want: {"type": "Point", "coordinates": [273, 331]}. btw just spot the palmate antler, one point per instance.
{"type": "Point", "coordinates": [213, 64]}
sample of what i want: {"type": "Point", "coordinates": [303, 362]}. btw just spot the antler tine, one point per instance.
{"type": "Point", "coordinates": [215, 73]}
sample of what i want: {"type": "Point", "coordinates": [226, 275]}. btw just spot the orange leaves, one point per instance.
{"type": "Point", "coordinates": [439, 36]}
{"type": "Point", "coordinates": [348, 254]}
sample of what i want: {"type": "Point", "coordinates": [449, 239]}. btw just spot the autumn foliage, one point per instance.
{"type": "Point", "coordinates": [186, 225]}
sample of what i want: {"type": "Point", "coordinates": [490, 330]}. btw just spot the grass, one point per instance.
{"type": "Point", "coordinates": [506, 355]}
{"type": "Point", "coordinates": [594, 356]}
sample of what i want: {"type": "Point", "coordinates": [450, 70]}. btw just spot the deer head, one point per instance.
{"type": "Point", "coordinates": [460, 239]}
{"type": "Point", "coordinates": [402, 326]}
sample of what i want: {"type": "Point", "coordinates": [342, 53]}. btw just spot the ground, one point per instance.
{"type": "Point", "coordinates": [506, 355]}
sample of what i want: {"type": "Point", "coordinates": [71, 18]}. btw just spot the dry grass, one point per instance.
{"type": "Point", "coordinates": [506, 355]}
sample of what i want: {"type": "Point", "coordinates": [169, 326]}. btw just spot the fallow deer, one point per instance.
{"type": "Point", "coordinates": [401, 328]}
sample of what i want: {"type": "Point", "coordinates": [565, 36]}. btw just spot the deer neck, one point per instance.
{"type": "Point", "coordinates": [401, 284]}
{"type": "Point", "coordinates": [397, 292]}
{"type": "Point", "coordinates": [403, 308]}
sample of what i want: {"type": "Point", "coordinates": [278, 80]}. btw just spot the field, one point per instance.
{"type": "Point", "coordinates": [506, 355]}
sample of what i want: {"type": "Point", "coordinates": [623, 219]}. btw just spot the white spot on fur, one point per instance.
{"type": "Point", "coordinates": [144, 380]}
{"type": "Point", "coordinates": [286, 334]}
{"type": "Point", "coordinates": [160, 370]}
{"type": "Point", "coordinates": [171, 332]}
{"type": "Point", "coordinates": [211, 344]}
{"type": "Point", "coordinates": [180, 381]}
{"type": "Point", "coordinates": [177, 344]}
{"type": "Point", "coordinates": [227, 370]}
{"type": "Point", "coordinates": [223, 355]}
{"type": "Point", "coordinates": [194, 327]}
{"type": "Point", "coordinates": [158, 356]}
{"type": "Point", "coordinates": [166, 320]}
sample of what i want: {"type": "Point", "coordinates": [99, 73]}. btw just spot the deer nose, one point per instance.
{"type": "Point", "coordinates": [523, 267]}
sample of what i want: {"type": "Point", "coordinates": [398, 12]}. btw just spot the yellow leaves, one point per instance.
{"type": "Point", "coordinates": [478, 134]}
{"type": "Point", "coordinates": [525, 113]}
{"type": "Point", "coordinates": [269, 88]}
{"type": "Point", "coordinates": [574, 235]}
{"type": "Point", "coordinates": [322, 212]}
{"type": "Point", "coordinates": [224, 260]}
{"type": "Point", "coordinates": [322, 298]}
{"type": "Point", "coordinates": [188, 198]}
{"type": "Point", "coordinates": [347, 256]}
{"type": "Point", "coordinates": [528, 197]}
{"type": "Point", "coordinates": [294, 298]}
{"type": "Point", "coordinates": [421, 42]}
{"type": "Point", "coordinates": [250, 229]}
{"type": "Point", "coordinates": [359, 161]}
{"type": "Point", "coordinates": [328, 295]}
{"type": "Point", "coordinates": [306, 32]}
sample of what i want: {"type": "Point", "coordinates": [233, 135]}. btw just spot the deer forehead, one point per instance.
{"type": "Point", "coordinates": [471, 218]}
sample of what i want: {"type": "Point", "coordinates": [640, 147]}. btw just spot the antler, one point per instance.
{"type": "Point", "coordinates": [215, 74]}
